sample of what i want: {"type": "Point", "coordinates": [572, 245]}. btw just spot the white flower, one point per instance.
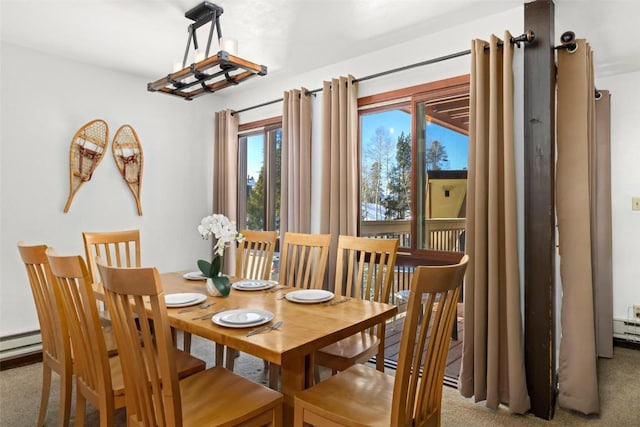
{"type": "Point", "coordinates": [223, 230]}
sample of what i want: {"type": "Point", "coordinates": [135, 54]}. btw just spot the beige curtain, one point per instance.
{"type": "Point", "coordinates": [339, 163]}
{"type": "Point", "coordinates": [295, 198]}
{"type": "Point", "coordinates": [225, 173]}
{"type": "Point", "coordinates": [603, 251]}
{"type": "Point", "coordinates": [581, 216]}
{"type": "Point", "coordinates": [493, 355]}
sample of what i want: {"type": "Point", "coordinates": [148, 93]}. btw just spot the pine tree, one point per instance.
{"type": "Point", "coordinates": [398, 200]}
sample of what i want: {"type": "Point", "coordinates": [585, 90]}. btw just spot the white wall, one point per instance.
{"type": "Point", "coordinates": [44, 100]}
{"type": "Point", "coordinates": [625, 184]}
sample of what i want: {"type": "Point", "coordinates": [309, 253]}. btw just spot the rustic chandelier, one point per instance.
{"type": "Point", "coordinates": [207, 74]}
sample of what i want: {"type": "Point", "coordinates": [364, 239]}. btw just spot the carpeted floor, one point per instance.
{"type": "Point", "coordinates": [619, 380]}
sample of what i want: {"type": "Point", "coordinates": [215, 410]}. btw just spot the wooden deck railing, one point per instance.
{"type": "Point", "coordinates": [443, 234]}
{"type": "Point", "coordinates": [444, 245]}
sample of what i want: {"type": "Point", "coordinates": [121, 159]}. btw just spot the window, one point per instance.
{"type": "Point", "coordinates": [259, 171]}
{"type": "Point", "coordinates": [413, 165]}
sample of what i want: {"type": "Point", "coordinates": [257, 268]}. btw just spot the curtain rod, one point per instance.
{"type": "Point", "coordinates": [527, 37]}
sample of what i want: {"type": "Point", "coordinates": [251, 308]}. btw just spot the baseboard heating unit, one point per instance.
{"type": "Point", "coordinates": [627, 330]}
{"type": "Point", "coordinates": [20, 344]}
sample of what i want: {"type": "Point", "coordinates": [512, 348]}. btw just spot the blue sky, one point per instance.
{"type": "Point", "coordinates": [397, 121]}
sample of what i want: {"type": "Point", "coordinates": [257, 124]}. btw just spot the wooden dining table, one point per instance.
{"type": "Point", "coordinates": [305, 328]}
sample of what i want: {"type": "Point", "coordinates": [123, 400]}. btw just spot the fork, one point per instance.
{"type": "Point", "coordinates": [266, 328]}
{"type": "Point", "coordinates": [340, 301]}
{"type": "Point", "coordinates": [203, 305]}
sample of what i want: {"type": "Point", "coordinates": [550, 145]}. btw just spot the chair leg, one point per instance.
{"type": "Point", "coordinates": [66, 386]}
{"type": "Point", "coordinates": [81, 409]}
{"type": "Point", "coordinates": [44, 399]}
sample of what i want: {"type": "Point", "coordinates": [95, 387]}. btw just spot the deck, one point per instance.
{"type": "Point", "coordinates": [454, 358]}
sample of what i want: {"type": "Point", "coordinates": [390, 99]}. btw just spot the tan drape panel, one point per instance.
{"type": "Point", "coordinates": [576, 214]}
{"type": "Point", "coordinates": [339, 163]}
{"type": "Point", "coordinates": [493, 355]}
{"type": "Point", "coordinates": [295, 198]}
{"type": "Point", "coordinates": [225, 173]}
{"type": "Point", "coordinates": [603, 256]}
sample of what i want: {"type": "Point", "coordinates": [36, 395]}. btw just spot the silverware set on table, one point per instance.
{"type": "Point", "coordinates": [266, 328]}
{"type": "Point", "coordinates": [337, 301]}
{"type": "Point", "coordinates": [197, 307]}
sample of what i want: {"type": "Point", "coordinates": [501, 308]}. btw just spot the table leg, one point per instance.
{"type": "Point", "coordinates": [293, 378]}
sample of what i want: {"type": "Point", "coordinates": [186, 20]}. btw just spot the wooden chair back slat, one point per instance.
{"type": "Point", "coordinates": [255, 254]}
{"type": "Point", "coordinates": [303, 260]}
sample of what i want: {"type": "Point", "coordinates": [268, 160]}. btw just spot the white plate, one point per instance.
{"type": "Point", "coordinates": [309, 296]}
{"type": "Point", "coordinates": [194, 275]}
{"type": "Point", "coordinates": [242, 318]}
{"type": "Point", "coordinates": [252, 285]}
{"type": "Point", "coordinates": [183, 299]}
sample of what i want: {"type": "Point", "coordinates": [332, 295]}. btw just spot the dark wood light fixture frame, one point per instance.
{"type": "Point", "coordinates": [213, 73]}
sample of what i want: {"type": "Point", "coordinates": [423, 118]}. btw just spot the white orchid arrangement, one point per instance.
{"type": "Point", "coordinates": [224, 231]}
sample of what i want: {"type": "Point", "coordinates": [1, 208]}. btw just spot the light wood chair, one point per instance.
{"type": "Point", "coordinates": [364, 269]}
{"type": "Point", "coordinates": [154, 395]}
{"type": "Point", "coordinates": [117, 248]}
{"type": "Point", "coordinates": [98, 377]}
{"type": "Point", "coordinates": [303, 264]}
{"type": "Point", "coordinates": [303, 260]}
{"type": "Point", "coordinates": [254, 258]}
{"type": "Point", "coordinates": [363, 396]}
{"type": "Point", "coordinates": [56, 350]}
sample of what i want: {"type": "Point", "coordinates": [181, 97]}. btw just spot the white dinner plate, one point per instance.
{"type": "Point", "coordinates": [309, 296]}
{"type": "Point", "coordinates": [252, 285]}
{"type": "Point", "coordinates": [183, 299]}
{"type": "Point", "coordinates": [194, 275]}
{"type": "Point", "coordinates": [242, 318]}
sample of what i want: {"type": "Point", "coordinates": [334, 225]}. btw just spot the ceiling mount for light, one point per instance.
{"type": "Point", "coordinates": [207, 74]}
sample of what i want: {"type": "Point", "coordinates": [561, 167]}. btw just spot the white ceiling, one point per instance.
{"type": "Point", "coordinates": [145, 37]}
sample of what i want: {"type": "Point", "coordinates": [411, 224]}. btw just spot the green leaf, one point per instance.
{"type": "Point", "coordinates": [205, 267]}
{"type": "Point", "coordinates": [222, 284]}
{"type": "Point", "coordinates": [216, 266]}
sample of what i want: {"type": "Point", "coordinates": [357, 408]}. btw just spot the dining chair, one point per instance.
{"type": "Point", "coordinates": [303, 260]}
{"type": "Point", "coordinates": [155, 396]}
{"type": "Point", "coordinates": [364, 269]}
{"type": "Point", "coordinates": [99, 377]}
{"type": "Point", "coordinates": [117, 248]}
{"type": "Point", "coordinates": [254, 256]}
{"type": "Point", "coordinates": [362, 395]}
{"type": "Point", "coordinates": [303, 264]}
{"type": "Point", "coordinates": [254, 259]}
{"type": "Point", "coordinates": [56, 350]}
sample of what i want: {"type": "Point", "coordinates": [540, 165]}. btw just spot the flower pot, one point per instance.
{"type": "Point", "coordinates": [218, 287]}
